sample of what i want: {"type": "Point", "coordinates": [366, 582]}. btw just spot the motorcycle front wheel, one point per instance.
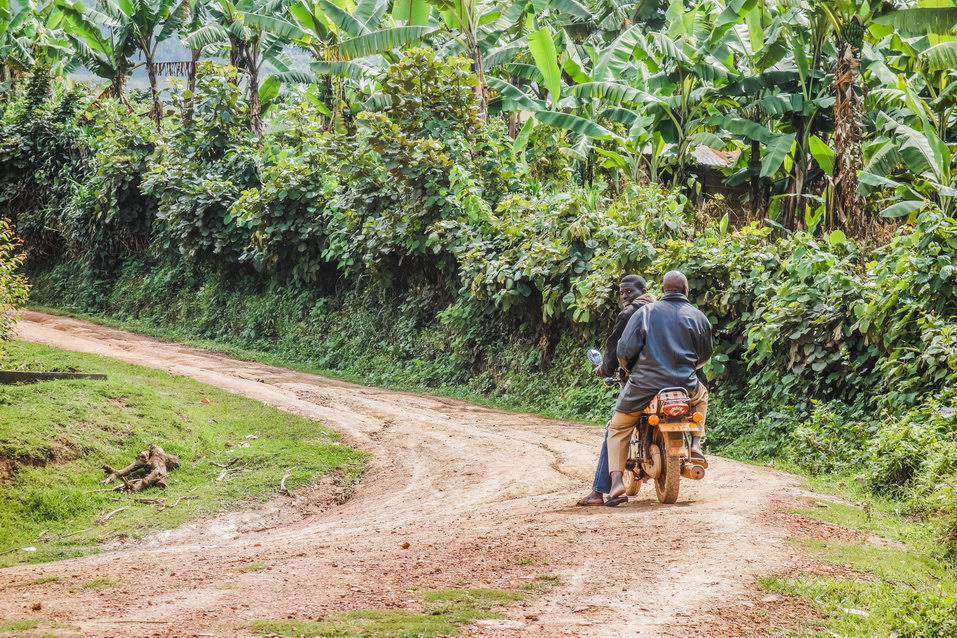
{"type": "Point", "coordinates": [668, 480]}
{"type": "Point", "coordinates": [632, 482]}
{"type": "Point", "coordinates": [631, 476]}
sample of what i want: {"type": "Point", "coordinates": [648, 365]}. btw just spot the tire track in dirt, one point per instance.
{"type": "Point", "coordinates": [455, 496]}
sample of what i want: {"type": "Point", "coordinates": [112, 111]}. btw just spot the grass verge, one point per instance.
{"type": "Point", "coordinates": [443, 613]}
{"type": "Point", "coordinates": [56, 435]}
{"type": "Point", "coordinates": [905, 588]}
{"type": "Point", "coordinates": [35, 628]}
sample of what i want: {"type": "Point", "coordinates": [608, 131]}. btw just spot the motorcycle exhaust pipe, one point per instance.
{"type": "Point", "coordinates": [693, 472]}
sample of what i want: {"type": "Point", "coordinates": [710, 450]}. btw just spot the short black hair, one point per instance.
{"type": "Point", "coordinates": [637, 281]}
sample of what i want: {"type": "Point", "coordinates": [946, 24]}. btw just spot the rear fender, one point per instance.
{"type": "Point", "coordinates": [674, 443]}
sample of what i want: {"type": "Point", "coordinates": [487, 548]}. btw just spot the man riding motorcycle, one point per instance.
{"type": "Point", "coordinates": [663, 346]}
{"type": "Point", "coordinates": [633, 293]}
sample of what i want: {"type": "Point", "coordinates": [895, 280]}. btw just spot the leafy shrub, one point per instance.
{"type": "Point", "coordinates": [202, 168]}
{"type": "Point", "coordinates": [908, 309]}
{"type": "Point", "coordinates": [42, 155]}
{"type": "Point", "coordinates": [904, 446]}
{"type": "Point", "coordinates": [288, 214]}
{"type": "Point", "coordinates": [109, 214]}
{"type": "Point", "coordinates": [13, 285]}
{"type": "Point", "coordinates": [829, 441]}
{"type": "Point", "coordinates": [803, 338]}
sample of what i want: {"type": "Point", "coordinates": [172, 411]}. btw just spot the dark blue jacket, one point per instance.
{"type": "Point", "coordinates": [663, 344]}
{"type": "Point", "coordinates": [609, 366]}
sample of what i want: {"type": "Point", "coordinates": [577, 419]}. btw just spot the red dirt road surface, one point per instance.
{"type": "Point", "coordinates": [456, 496]}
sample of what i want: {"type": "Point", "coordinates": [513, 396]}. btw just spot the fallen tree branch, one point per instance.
{"type": "Point", "coordinates": [282, 483]}
{"type": "Point", "coordinates": [228, 468]}
{"type": "Point", "coordinates": [176, 502]}
{"type": "Point", "coordinates": [79, 531]}
{"type": "Point", "coordinates": [153, 459]}
{"type": "Point", "coordinates": [102, 520]}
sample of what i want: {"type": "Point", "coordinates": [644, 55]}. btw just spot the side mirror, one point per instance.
{"type": "Point", "coordinates": [595, 357]}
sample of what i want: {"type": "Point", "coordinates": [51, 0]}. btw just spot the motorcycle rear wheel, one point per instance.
{"type": "Point", "coordinates": [669, 479]}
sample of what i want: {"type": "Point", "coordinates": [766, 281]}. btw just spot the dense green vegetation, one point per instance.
{"type": "Point", "coordinates": [909, 591]}
{"type": "Point", "coordinates": [447, 198]}
{"type": "Point", "coordinates": [13, 285]}
{"type": "Point", "coordinates": [56, 435]}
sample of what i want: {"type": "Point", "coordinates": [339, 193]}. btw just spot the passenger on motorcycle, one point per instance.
{"type": "Point", "coordinates": [663, 346]}
{"type": "Point", "coordinates": [633, 294]}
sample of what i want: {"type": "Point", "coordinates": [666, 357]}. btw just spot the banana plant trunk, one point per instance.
{"type": "Point", "coordinates": [255, 105]}
{"type": "Point", "coordinates": [848, 135]}
{"type": "Point", "coordinates": [195, 54]}
{"type": "Point", "coordinates": [478, 67]}
{"type": "Point", "coordinates": [757, 193]}
{"type": "Point", "coordinates": [156, 111]}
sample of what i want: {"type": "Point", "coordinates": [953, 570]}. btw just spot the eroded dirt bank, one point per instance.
{"type": "Point", "coordinates": [456, 496]}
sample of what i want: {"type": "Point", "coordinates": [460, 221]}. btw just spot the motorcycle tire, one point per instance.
{"type": "Point", "coordinates": [632, 482]}
{"type": "Point", "coordinates": [669, 479]}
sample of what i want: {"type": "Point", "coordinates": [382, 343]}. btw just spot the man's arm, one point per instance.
{"type": "Point", "coordinates": [632, 340]}
{"type": "Point", "coordinates": [609, 364]}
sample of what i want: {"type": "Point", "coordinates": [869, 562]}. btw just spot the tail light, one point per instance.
{"type": "Point", "coordinates": [675, 409]}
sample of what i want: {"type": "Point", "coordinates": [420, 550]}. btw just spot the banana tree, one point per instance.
{"type": "Point", "coordinates": [32, 34]}
{"type": "Point", "coordinates": [462, 17]}
{"type": "Point", "coordinates": [916, 164]}
{"type": "Point", "coordinates": [107, 53]}
{"type": "Point", "coordinates": [339, 38]}
{"type": "Point", "coordinates": [848, 20]}
{"type": "Point", "coordinates": [147, 23]}
{"type": "Point", "coordinates": [16, 56]}
{"type": "Point", "coordinates": [253, 40]}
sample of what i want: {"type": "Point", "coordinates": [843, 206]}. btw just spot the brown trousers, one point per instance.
{"type": "Point", "coordinates": [623, 424]}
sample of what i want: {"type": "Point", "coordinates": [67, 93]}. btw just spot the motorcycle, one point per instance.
{"type": "Point", "coordinates": [661, 440]}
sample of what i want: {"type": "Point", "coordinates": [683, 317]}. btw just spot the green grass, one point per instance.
{"type": "Point", "coordinates": [530, 560]}
{"type": "Point", "coordinates": [58, 434]}
{"type": "Point", "coordinates": [906, 589]}
{"type": "Point", "coordinates": [20, 625]}
{"type": "Point", "coordinates": [897, 566]}
{"type": "Point", "coordinates": [253, 567]}
{"type": "Point", "coordinates": [444, 613]}
{"type": "Point", "coordinates": [98, 583]}
{"type": "Point", "coordinates": [44, 579]}
{"type": "Point", "coordinates": [543, 583]}
{"type": "Point", "coordinates": [855, 609]}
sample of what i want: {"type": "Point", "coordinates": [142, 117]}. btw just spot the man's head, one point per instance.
{"type": "Point", "coordinates": [675, 281]}
{"type": "Point", "coordinates": [631, 287]}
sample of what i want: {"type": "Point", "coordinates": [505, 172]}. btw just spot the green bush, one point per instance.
{"type": "Point", "coordinates": [830, 440]}
{"type": "Point", "coordinates": [13, 285]}
{"type": "Point", "coordinates": [200, 169]}
{"type": "Point", "coordinates": [42, 157]}
{"type": "Point", "coordinates": [109, 215]}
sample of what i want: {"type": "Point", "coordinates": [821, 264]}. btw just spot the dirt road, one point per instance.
{"type": "Point", "coordinates": [456, 496]}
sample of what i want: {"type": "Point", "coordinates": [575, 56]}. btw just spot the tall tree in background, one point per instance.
{"type": "Point", "coordinates": [463, 16]}
{"type": "Point", "coordinates": [107, 52]}
{"type": "Point", "coordinates": [149, 22]}
{"type": "Point", "coordinates": [254, 37]}
{"type": "Point", "coordinates": [15, 55]}
{"type": "Point", "coordinates": [847, 20]}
